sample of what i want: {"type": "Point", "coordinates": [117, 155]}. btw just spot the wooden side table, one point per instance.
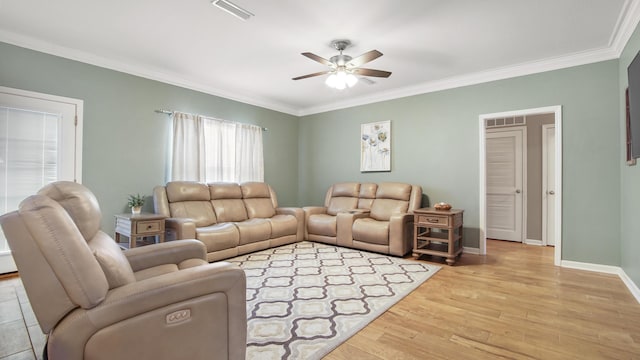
{"type": "Point", "coordinates": [429, 237]}
{"type": "Point", "coordinates": [139, 225]}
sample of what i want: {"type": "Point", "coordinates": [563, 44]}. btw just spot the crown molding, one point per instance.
{"type": "Point", "coordinates": [137, 70]}
{"type": "Point", "coordinates": [624, 28]}
{"type": "Point", "coordinates": [527, 68]}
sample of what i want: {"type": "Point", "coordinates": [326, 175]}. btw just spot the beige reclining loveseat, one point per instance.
{"type": "Point", "coordinates": [230, 219]}
{"type": "Point", "coordinates": [366, 216]}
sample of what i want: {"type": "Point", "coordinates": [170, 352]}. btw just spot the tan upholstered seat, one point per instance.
{"type": "Point", "coordinates": [95, 301]}
{"type": "Point", "coordinates": [366, 216]}
{"type": "Point", "coordinates": [230, 219]}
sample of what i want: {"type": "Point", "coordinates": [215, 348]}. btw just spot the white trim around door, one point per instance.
{"type": "Point", "coordinates": [557, 111]}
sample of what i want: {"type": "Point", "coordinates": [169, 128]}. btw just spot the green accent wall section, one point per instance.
{"type": "Point", "coordinates": [125, 143]}
{"type": "Point", "coordinates": [435, 144]}
{"type": "Point", "coordinates": [630, 177]}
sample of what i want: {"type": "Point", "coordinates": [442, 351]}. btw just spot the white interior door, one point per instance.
{"type": "Point", "coordinates": [505, 180]}
{"type": "Point", "coordinates": [40, 142]}
{"type": "Point", "coordinates": [548, 184]}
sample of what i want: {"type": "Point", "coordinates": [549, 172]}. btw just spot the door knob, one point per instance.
{"type": "Point", "coordinates": [517, 191]}
{"type": "Point", "coordinates": [551, 192]}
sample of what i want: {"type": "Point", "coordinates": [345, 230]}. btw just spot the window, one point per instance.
{"type": "Point", "coordinates": [212, 150]}
{"type": "Point", "coordinates": [40, 142]}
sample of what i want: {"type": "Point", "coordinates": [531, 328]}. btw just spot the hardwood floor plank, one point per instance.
{"type": "Point", "coordinates": [512, 304]}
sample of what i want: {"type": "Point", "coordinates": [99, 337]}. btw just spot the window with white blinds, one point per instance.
{"type": "Point", "coordinates": [40, 142]}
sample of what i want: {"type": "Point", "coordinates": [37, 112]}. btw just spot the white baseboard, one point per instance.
{"type": "Point", "coordinates": [470, 250]}
{"type": "Point", "coordinates": [607, 269]}
{"type": "Point", "coordinates": [533, 242]}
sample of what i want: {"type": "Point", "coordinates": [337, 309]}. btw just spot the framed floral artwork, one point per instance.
{"type": "Point", "coordinates": [375, 146]}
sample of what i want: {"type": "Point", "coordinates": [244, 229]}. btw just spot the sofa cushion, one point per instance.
{"type": "Point", "coordinates": [229, 210]}
{"type": "Point", "coordinates": [322, 224]}
{"type": "Point", "coordinates": [371, 231]}
{"type": "Point", "coordinates": [219, 237]}
{"type": "Point", "coordinates": [112, 260]}
{"type": "Point", "coordinates": [226, 199]}
{"type": "Point", "coordinates": [201, 212]}
{"type": "Point", "coordinates": [397, 191]}
{"type": "Point", "coordinates": [254, 230]}
{"type": "Point", "coordinates": [382, 209]}
{"type": "Point", "coordinates": [367, 195]}
{"type": "Point", "coordinates": [283, 225]}
{"type": "Point", "coordinates": [79, 202]}
{"type": "Point", "coordinates": [257, 200]}
{"type": "Point", "coordinates": [348, 189]}
{"type": "Point", "coordinates": [187, 191]}
{"type": "Point", "coordinates": [155, 271]}
{"type": "Point", "coordinates": [225, 191]}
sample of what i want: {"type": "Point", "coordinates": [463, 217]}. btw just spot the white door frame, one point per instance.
{"type": "Point", "coordinates": [523, 189]}
{"type": "Point", "coordinates": [545, 195]}
{"type": "Point", "coordinates": [51, 102]}
{"type": "Point", "coordinates": [557, 111]}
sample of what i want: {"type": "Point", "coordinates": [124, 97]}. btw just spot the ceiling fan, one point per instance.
{"type": "Point", "coordinates": [344, 67]}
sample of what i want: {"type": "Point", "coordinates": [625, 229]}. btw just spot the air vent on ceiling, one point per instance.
{"type": "Point", "coordinates": [232, 9]}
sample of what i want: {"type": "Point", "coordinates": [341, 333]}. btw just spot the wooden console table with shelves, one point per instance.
{"type": "Point", "coordinates": [438, 233]}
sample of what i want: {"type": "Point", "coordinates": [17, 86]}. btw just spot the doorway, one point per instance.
{"type": "Point", "coordinates": [554, 199]}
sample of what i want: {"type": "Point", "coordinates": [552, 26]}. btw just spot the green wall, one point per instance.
{"type": "Point", "coordinates": [630, 178]}
{"type": "Point", "coordinates": [125, 141]}
{"type": "Point", "coordinates": [435, 140]}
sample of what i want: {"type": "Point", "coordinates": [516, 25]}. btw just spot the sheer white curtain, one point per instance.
{"type": "Point", "coordinates": [210, 150]}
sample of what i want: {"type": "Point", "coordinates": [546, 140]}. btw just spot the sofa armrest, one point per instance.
{"type": "Point", "coordinates": [308, 211]}
{"type": "Point", "coordinates": [344, 225]}
{"type": "Point", "coordinates": [400, 234]}
{"type": "Point", "coordinates": [172, 252]}
{"type": "Point", "coordinates": [184, 228]}
{"type": "Point", "coordinates": [130, 305]}
{"type": "Point", "coordinates": [299, 215]}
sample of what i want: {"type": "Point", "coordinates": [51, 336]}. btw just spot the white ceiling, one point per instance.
{"type": "Point", "coordinates": [427, 44]}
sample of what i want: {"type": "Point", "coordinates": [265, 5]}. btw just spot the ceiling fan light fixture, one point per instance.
{"type": "Point", "coordinates": [232, 9]}
{"type": "Point", "coordinates": [351, 80]}
{"type": "Point", "coordinates": [341, 80]}
{"type": "Point", "coordinates": [331, 80]}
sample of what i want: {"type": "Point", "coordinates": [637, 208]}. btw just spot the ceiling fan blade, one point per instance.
{"type": "Point", "coordinates": [365, 58]}
{"type": "Point", "coordinates": [366, 80]}
{"type": "Point", "coordinates": [372, 72]}
{"type": "Point", "coordinates": [317, 58]}
{"type": "Point", "coordinates": [312, 75]}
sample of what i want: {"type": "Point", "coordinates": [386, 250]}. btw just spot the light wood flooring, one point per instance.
{"type": "Point", "coordinates": [511, 304]}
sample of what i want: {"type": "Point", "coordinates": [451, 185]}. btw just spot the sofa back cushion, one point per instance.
{"type": "Point", "coordinates": [367, 195]}
{"type": "Point", "coordinates": [257, 197]}
{"type": "Point", "coordinates": [190, 200]}
{"type": "Point", "coordinates": [226, 199]}
{"type": "Point", "coordinates": [342, 197]}
{"type": "Point", "coordinates": [391, 198]}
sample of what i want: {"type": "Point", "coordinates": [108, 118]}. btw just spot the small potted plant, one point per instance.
{"type": "Point", "coordinates": [135, 203]}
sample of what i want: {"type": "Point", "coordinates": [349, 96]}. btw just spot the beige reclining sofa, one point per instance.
{"type": "Point", "coordinates": [366, 216]}
{"type": "Point", "coordinates": [230, 219]}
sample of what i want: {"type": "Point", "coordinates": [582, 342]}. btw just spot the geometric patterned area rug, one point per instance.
{"type": "Point", "coordinates": [305, 299]}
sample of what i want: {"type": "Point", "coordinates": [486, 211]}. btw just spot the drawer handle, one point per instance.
{"type": "Point", "coordinates": [433, 220]}
{"type": "Point", "coordinates": [149, 227]}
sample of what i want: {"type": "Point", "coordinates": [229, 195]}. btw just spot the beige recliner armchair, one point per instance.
{"type": "Point", "coordinates": [95, 301]}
